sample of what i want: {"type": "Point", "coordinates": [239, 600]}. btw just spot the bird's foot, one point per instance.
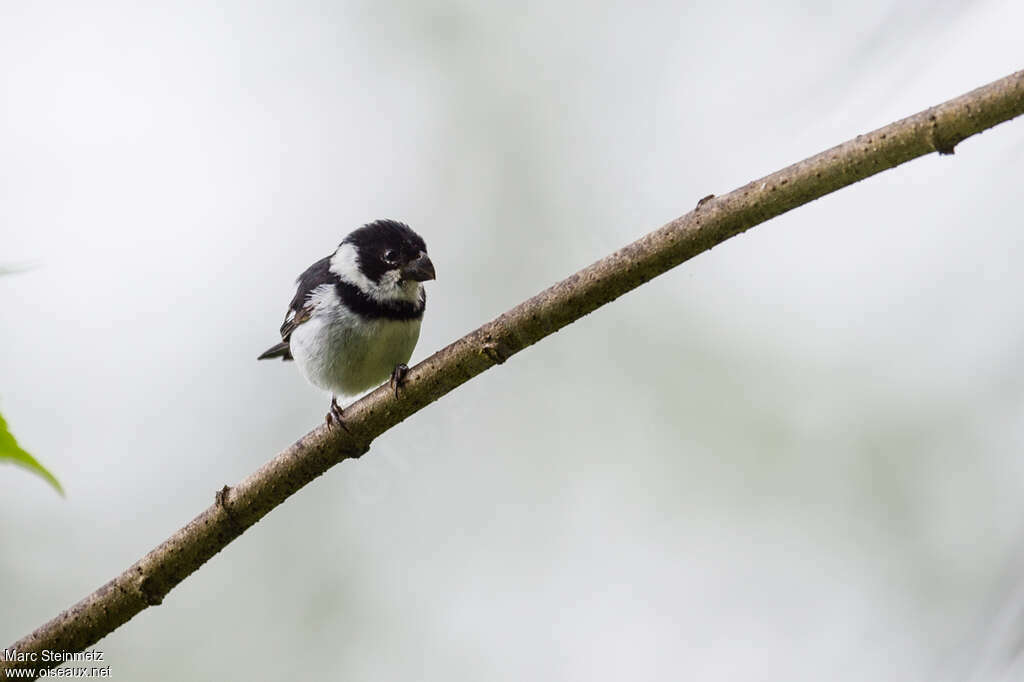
{"type": "Point", "coordinates": [398, 376]}
{"type": "Point", "coordinates": [334, 416]}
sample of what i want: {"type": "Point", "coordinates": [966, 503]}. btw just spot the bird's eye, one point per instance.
{"type": "Point", "coordinates": [391, 256]}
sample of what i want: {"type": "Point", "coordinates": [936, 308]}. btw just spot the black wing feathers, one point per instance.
{"type": "Point", "coordinates": [280, 350]}
{"type": "Point", "coordinates": [298, 312]}
{"type": "Point", "coordinates": [316, 274]}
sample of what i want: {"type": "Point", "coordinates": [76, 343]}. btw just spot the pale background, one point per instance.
{"type": "Point", "coordinates": [797, 457]}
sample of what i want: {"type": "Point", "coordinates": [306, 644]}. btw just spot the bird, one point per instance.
{"type": "Point", "coordinates": [356, 314]}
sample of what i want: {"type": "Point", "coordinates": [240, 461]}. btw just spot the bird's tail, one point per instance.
{"type": "Point", "coordinates": [280, 350]}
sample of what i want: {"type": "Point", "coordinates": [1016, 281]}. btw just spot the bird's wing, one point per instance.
{"type": "Point", "coordinates": [301, 307]}
{"type": "Point", "coordinates": [293, 319]}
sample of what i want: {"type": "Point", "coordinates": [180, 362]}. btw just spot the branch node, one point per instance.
{"type": "Point", "coordinates": [221, 498]}
{"type": "Point", "coordinates": [149, 591]}
{"type": "Point", "coordinates": [493, 350]}
{"type": "Point", "coordinates": [942, 146]}
{"type": "Point", "coordinates": [704, 201]}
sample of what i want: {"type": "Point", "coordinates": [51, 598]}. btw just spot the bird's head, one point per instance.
{"type": "Point", "coordinates": [385, 259]}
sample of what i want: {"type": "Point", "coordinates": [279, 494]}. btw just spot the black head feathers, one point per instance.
{"type": "Point", "coordinates": [384, 245]}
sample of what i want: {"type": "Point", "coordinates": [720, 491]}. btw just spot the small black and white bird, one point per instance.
{"type": "Point", "coordinates": [356, 315]}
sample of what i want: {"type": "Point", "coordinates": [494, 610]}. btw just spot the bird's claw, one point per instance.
{"type": "Point", "coordinates": [334, 416]}
{"type": "Point", "coordinates": [398, 376]}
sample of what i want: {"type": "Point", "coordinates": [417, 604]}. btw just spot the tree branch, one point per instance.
{"type": "Point", "coordinates": [938, 129]}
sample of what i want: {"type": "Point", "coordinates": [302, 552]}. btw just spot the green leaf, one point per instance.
{"type": "Point", "coordinates": [9, 449]}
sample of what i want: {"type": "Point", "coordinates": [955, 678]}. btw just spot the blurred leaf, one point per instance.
{"type": "Point", "coordinates": [12, 269]}
{"type": "Point", "coordinates": [9, 449]}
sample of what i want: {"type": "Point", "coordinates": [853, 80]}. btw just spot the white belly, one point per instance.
{"type": "Point", "coordinates": [346, 354]}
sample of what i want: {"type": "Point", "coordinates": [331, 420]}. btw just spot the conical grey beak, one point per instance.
{"type": "Point", "coordinates": [419, 270]}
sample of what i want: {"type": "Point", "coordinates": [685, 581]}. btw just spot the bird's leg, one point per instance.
{"type": "Point", "coordinates": [398, 376]}
{"type": "Point", "coordinates": [334, 415]}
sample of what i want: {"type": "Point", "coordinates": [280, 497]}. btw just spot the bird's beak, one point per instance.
{"type": "Point", "coordinates": [419, 270]}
